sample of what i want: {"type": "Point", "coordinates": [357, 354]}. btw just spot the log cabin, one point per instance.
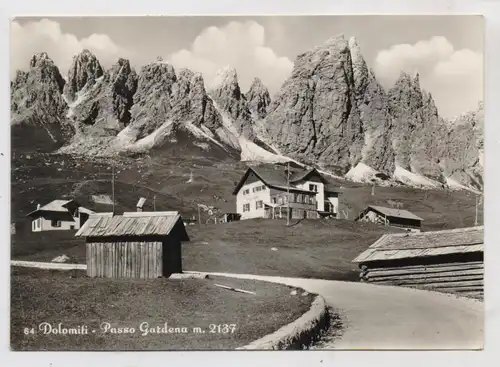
{"type": "Point", "coordinates": [143, 245]}
{"type": "Point", "coordinates": [391, 217]}
{"type": "Point", "coordinates": [448, 261]}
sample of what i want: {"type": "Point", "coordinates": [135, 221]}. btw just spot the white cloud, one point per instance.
{"type": "Point", "coordinates": [46, 36]}
{"type": "Point", "coordinates": [453, 77]}
{"type": "Point", "coordinates": [240, 45]}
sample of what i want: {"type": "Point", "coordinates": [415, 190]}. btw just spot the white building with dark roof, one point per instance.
{"type": "Point", "coordinates": [267, 191]}
{"type": "Point", "coordinates": [59, 215]}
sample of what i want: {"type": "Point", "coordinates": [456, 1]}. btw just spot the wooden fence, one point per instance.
{"type": "Point", "coordinates": [464, 278]}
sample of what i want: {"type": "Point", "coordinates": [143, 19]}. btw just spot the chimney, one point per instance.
{"type": "Point", "coordinates": [140, 204]}
{"type": "Point", "coordinates": [37, 206]}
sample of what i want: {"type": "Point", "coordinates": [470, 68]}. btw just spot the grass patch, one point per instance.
{"type": "Point", "coordinates": [309, 249]}
{"type": "Point", "coordinates": [55, 297]}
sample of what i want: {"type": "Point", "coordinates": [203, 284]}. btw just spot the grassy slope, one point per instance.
{"type": "Point", "coordinates": [53, 296]}
{"type": "Point", "coordinates": [311, 248]}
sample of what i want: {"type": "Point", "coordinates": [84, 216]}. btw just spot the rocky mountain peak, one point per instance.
{"type": "Point", "coordinates": [359, 68]}
{"type": "Point", "coordinates": [40, 58]}
{"type": "Point", "coordinates": [227, 94]}
{"type": "Point", "coordinates": [416, 79]}
{"type": "Point", "coordinates": [164, 97]}
{"type": "Point", "coordinates": [85, 69]}
{"type": "Point", "coordinates": [37, 107]}
{"type": "Point", "coordinates": [336, 40]}
{"type": "Point", "coordinates": [372, 103]}
{"type": "Point", "coordinates": [314, 117]}
{"type": "Point", "coordinates": [123, 77]}
{"type": "Point", "coordinates": [258, 98]}
{"type": "Point", "coordinates": [42, 70]}
{"type": "Point", "coordinates": [226, 79]}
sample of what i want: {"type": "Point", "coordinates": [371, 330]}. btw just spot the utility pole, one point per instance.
{"type": "Point", "coordinates": [199, 215]}
{"type": "Point", "coordinates": [477, 209]}
{"type": "Point", "coordinates": [154, 203]}
{"type": "Point", "coordinates": [288, 194]}
{"type": "Point", "coordinates": [113, 186]}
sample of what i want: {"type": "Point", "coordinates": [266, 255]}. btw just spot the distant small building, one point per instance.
{"type": "Point", "coordinates": [59, 215]}
{"type": "Point", "coordinates": [134, 245]}
{"type": "Point", "coordinates": [273, 191]}
{"type": "Point", "coordinates": [229, 217]}
{"type": "Point", "coordinates": [449, 261]}
{"type": "Point", "coordinates": [391, 217]}
{"type": "Point", "coordinates": [190, 221]}
{"type": "Point", "coordinates": [140, 204]}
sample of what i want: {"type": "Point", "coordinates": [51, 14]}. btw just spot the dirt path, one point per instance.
{"type": "Point", "coordinates": [381, 317]}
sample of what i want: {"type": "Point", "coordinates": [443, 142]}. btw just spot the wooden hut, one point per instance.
{"type": "Point", "coordinates": [447, 261]}
{"type": "Point", "coordinates": [391, 217]}
{"type": "Point", "coordinates": [134, 245]}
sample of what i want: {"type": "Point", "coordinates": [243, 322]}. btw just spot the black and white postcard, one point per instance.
{"type": "Point", "coordinates": [202, 183]}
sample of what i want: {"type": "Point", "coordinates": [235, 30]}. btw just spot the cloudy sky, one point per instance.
{"type": "Point", "coordinates": [447, 51]}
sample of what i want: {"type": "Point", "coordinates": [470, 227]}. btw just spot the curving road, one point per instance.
{"type": "Point", "coordinates": [385, 317]}
{"type": "Point", "coordinates": [379, 317]}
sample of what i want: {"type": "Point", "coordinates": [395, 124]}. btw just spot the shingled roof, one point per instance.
{"type": "Point", "coordinates": [132, 224]}
{"type": "Point", "coordinates": [391, 212]}
{"type": "Point", "coordinates": [53, 206]}
{"type": "Point", "coordinates": [424, 244]}
{"type": "Point", "coordinates": [275, 176]}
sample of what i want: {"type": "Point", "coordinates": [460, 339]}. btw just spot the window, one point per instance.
{"type": "Point", "coordinates": [299, 198]}
{"type": "Point", "coordinates": [246, 207]}
{"type": "Point", "coordinates": [71, 227]}
{"type": "Point", "coordinates": [246, 192]}
{"type": "Point", "coordinates": [274, 200]}
{"type": "Point", "coordinates": [258, 204]}
{"type": "Point", "coordinates": [280, 200]}
{"type": "Point", "coordinates": [263, 187]}
{"type": "Point", "coordinates": [55, 223]}
{"type": "Point", "coordinates": [313, 187]}
{"type": "Point", "coordinates": [39, 223]}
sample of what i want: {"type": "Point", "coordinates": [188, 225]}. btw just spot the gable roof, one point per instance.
{"type": "Point", "coordinates": [304, 174]}
{"type": "Point", "coordinates": [275, 176]}
{"type": "Point", "coordinates": [424, 244]}
{"type": "Point", "coordinates": [391, 212]}
{"type": "Point", "coordinates": [133, 224]}
{"type": "Point", "coordinates": [53, 206]}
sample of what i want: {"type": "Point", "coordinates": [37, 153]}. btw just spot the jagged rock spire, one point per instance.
{"type": "Point", "coordinates": [83, 72]}
{"type": "Point", "coordinates": [258, 98]}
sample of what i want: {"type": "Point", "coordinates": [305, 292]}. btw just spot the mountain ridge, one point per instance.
{"type": "Point", "coordinates": [331, 113]}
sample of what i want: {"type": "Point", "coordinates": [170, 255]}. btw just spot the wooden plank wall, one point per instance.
{"type": "Point", "coordinates": [463, 278]}
{"type": "Point", "coordinates": [124, 260]}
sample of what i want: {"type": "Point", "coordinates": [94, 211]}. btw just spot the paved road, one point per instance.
{"type": "Point", "coordinates": [381, 317]}
{"type": "Point", "coordinates": [384, 317]}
